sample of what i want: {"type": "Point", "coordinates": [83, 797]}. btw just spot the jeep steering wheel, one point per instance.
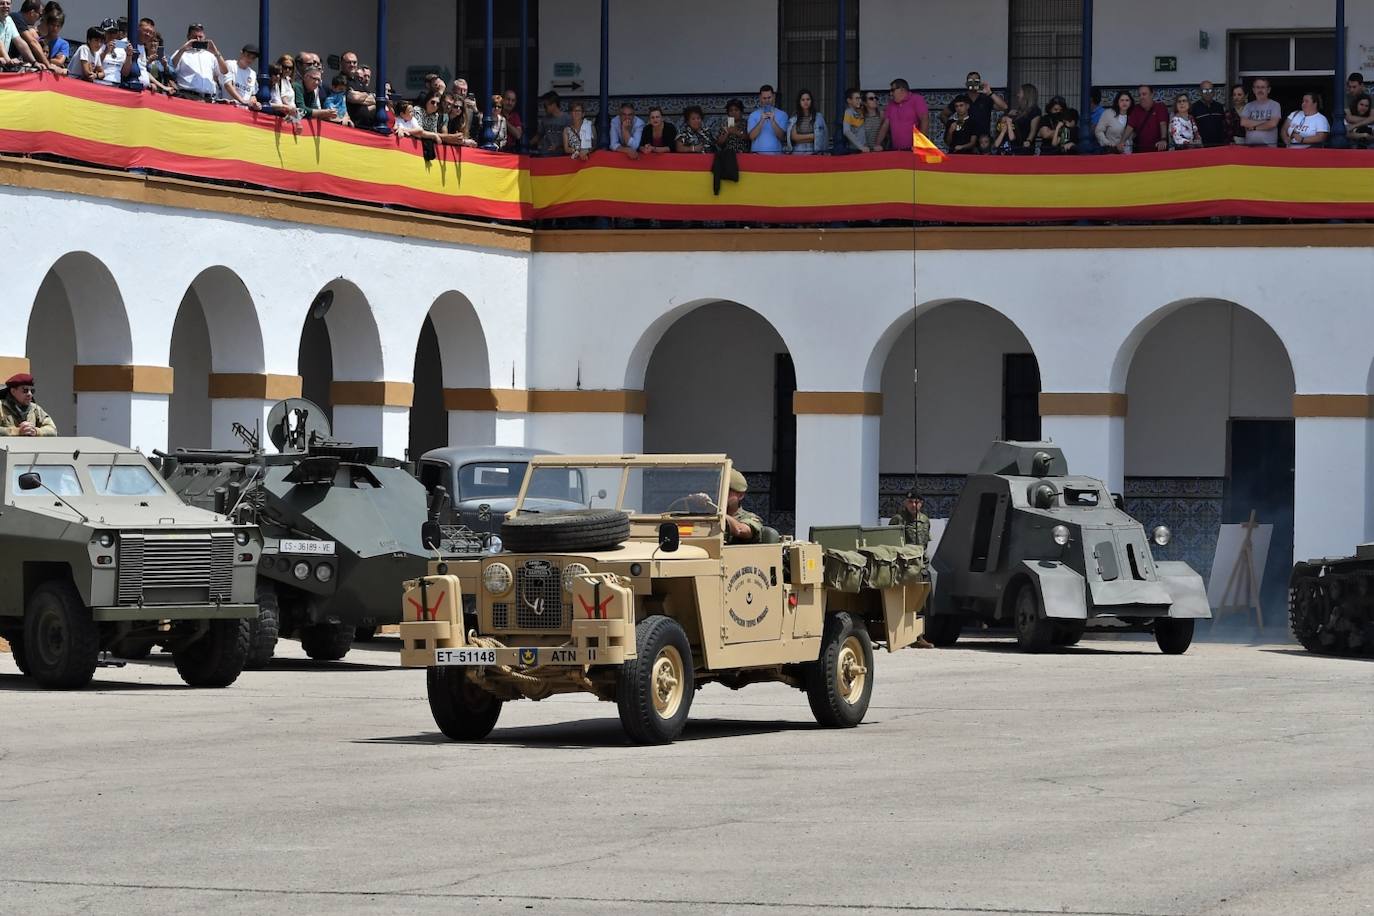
{"type": "Point", "coordinates": [693, 503]}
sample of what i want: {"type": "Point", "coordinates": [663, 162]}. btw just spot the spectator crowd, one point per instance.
{"type": "Point", "coordinates": [977, 121]}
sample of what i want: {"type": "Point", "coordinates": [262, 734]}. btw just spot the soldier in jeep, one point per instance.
{"type": "Point", "coordinates": [741, 525]}
{"type": "Point", "coordinates": [19, 415]}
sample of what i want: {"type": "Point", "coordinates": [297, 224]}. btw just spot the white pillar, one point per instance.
{"type": "Point", "coordinates": [388, 428]}
{"type": "Point", "coordinates": [125, 418]}
{"type": "Point", "coordinates": [1093, 446]}
{"type": "Point", "coordinates": [1331, 511]}
{"type": "Point", "coordinates": [251, 412]}
{"type": "Point", "coordinates": [586, 433]}
{"type": "Point", "coordinates": [486, 427]}
{"type": "Point", "coordinates": [837, 470]}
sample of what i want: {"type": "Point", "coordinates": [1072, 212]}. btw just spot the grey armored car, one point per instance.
{"type": "Point", "coordinates": [97, 553]}
{"type": "Point", "coordinates": [1029, 545]}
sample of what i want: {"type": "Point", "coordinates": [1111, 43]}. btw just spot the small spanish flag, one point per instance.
{"type": "Point", "coordinates": [922, 146]}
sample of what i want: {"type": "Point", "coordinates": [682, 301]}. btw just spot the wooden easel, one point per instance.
{"type": "Point", "coordinates": [1242, 591]}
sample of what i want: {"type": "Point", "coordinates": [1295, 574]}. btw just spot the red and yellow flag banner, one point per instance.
{"type": "Point", "coordinates": [112, 127]}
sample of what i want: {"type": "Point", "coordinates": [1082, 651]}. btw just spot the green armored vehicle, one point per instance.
{"type": "Point", "coordinates": [1029, 545]}
{"type": "Point", "coordinates": [340, 525]}
{"type": "Point", "coordinates": [97, 553]}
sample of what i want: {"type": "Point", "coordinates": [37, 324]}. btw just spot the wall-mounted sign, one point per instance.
{"type": "Point", "coordinates": [1166, 64]}
{"type": "Point", "coordinates": [566, 68]}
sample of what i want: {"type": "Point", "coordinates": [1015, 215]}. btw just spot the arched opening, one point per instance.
{"type": "Point", "coordinates": [451, 353]}
{"type": "Point", "coordinates": [78, 318]}
{"type": "Point", "coordinates": [958, 376]}
{"type": "Point", "coordinates": [1209, 433]}
{"type": "Point", "coordinates": [720, 379]}
{"type": "Point", "coordinates": [339, 342]}
{"type": "Point", "coordinates": [216, 331]}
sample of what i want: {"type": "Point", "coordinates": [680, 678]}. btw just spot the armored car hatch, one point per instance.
{"type": "Point", "coordinates": [1032, 546]}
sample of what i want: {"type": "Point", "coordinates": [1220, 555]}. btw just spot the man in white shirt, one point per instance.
{"type": "Point", "coordinates": [115, 60]}
{"type": "Point", "coordinates": [199, 66]}
{"type": "Point", "coordinates": [241, 79]}
{"type": "Point", "coordinates": [627, 131]}
{"type": "Point", "coordinates": [1308, 127]}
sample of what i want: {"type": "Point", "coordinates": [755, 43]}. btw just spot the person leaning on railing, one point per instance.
{"type": "Point", "coordinates": [85, 62]}
{"type": "Point", "coordinates": [1359, 122]}
{"type": "Point", "coordinates": [198, 65]}
{"type": "Point", "coordinates": [659, 135]}
{"type": "Point", "coordinates": [1307, 127]}
{"type": "Point", "coordinates": [579, 137]}
{"type": "Point", "coordinates": [807, 134]}
{"type": "Point", "coordinates": [1111, 127]}
{"type": "Point", "coordinates": [694, 138]}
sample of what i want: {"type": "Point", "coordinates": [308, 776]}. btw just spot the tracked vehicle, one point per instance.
{"type": "Point", "coordinates": [1331, 604]}
{"type": "Point", "coordinates": [341, 527]}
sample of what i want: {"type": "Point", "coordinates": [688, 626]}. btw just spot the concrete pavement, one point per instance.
{"type": "Point", "coordinates": [1107, 779]}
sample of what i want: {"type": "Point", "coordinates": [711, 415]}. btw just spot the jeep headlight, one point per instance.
{"type": "Point", "coordinates": [497, 578]}
{"type": "Point", "coordinates": [105, 539]}
{"type": "Point", "coordinates": [495, 544]}
{"type": "Point", "coordinates": [1061, 535]}
{"type": "Point", "coordinates": [241, 537]}
{"type": "Point", "coordinates": [570, 574]}
{"type": "Point", "coordinates": [1163, 536]}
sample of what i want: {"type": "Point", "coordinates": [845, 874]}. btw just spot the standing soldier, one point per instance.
{"type": "Point", "coordinates": [915, 524]}
{"type": "Point", "coordinates": [19, 415]}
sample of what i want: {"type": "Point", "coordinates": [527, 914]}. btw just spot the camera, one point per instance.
{"type": "Point", "coordinates": [200, 45]}
{"type": "Point", "coordinates": [973, 85]}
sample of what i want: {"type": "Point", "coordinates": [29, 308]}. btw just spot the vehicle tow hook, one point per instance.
{"type": "Point", "coordinates": [106, 660]}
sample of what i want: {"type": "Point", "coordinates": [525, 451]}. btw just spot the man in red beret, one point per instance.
{"type": "Point", "coordinates": [19, 415]}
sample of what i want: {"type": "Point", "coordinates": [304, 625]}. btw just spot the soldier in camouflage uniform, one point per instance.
{"type": "Point", "coordinates": [915, 524]}
{"type": "Point", "coordinates": [19, 415]}
{"type": "Point", "coordinates": [741, 525]}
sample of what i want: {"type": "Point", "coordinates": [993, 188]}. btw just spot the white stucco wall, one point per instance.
{"type": "Point", "coordinates": [932, 44]}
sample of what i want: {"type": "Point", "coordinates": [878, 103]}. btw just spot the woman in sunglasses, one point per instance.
{"type": "Point", "coordinates": [873, 121]}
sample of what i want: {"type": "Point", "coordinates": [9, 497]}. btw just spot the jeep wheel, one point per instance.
{"type": "Point", "coordinates": [462, 710]}
{"type": "Point", "coordinates": [578, 529]}
{"type": "Point", "coordinates": [943, 629]}
{"type": "Point", "coordinates": [1034, 632]}
{"type": "Point", "coordinates": [61, 641]}
{"type": "Point", "coordinates": [1068, 634]}
{"type": "Point", "coordinates": [327, 642]}
{"type": "Point", "coordinates": [264, 628]}
{"type": "Point", "coordinates": [216, 659]}
{"type": "Point", "coordinates": [1174, 634]}
{"type": "Point", "coordinates": [654, 691]}
{"type": "Point", "coordinates": [839, 684]}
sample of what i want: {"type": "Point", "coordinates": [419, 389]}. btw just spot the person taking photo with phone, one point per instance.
{"type": "Point", "coordinates": [199, 66]}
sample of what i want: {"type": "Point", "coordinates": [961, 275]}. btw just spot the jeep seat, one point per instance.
{"type": "Point", "coordinates": [769, 536]}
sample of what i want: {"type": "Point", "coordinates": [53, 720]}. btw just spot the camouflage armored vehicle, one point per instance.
{"type": "Point", "coordinates": [340, 525]}
{"type": "Point", "coordinates": [96, 552]}
{"type": "Point", "coordinates": [1032, 547]}
{"type": "Point", "coordinates": [1331, 604]}
{"type": "Point", "coordinates": [639, 600]}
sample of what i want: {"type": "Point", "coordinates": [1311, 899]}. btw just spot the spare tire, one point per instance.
{"type": "Point", "coordinates": [577, 529]}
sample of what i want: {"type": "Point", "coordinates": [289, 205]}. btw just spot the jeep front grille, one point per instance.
{"type": "Point", "coordinates": [538, 596]}
{"type": "Point", "coordinates": [175, 568]}
{"type": "Point", "coordinates": [500, 615]}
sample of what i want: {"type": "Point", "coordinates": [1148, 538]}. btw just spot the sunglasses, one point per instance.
{"type": "Point", "coordinates": [870, 98]}
{"type": "Point", "coordinates": [27, 389]}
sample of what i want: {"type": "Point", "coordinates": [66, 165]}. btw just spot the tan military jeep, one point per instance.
{"type": "Point", "coordinates": [638, 599]}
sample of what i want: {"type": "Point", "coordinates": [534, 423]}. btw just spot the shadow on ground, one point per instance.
{"type": "Point", "coordinates": [591, 733]}
{"type": "Point", "coordinates": [18, 683]}
{"type": "Point", "coordinates": [1303, 653]}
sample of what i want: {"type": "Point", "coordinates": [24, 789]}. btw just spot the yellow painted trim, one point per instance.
{"type": "Point", "coordinates": [837, 403]}
{"type": "Point", "coordinates": [519, 400]}
{"type": "Point", "coordinates": [1082, 404]}
{"type": "Point", "coordinates": [372, 394]}
{"type": "Point", "coordinates": [131, 379]}
{"type": "Point", "coordinates": [253, 386]}
{"type": "Point", "coordinates": [1342, 406]}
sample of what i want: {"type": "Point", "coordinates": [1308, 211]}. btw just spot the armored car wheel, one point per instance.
{"type": "Point", "coordinates": [654, 691]}
{"type": "Point", "coordinates": [1069, 633]}
{"type": "Point", "coordinates": [264, 629]}
{"type": "Point", "coordinates": [462, 710]}
{"type": "Point", "coordinates": [327, 642]}
{"type": "Point", "coordinates": [1034, 631]}
{"type": "Point", "coordinates": [839, 684]}
{"type": "Point", "coordinates": [1174, 634]}
{"type": "Point", "coordinates": [61, 640]}
{"type": "Point", "coordinates": [943, 629]}
{"type": "Point", "coordinates": [216, 659]}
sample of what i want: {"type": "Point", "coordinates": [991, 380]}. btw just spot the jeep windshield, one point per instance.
{"type": "Point", "coordinates": [653, 490]}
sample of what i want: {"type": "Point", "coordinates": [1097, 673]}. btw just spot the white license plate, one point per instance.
{"type": "Point", "coordinates": [465, 657]}
{"type": "Point", "coordinates": [312, 548]}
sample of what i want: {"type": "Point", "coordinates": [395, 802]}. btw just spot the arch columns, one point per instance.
{"type": "Point", "coordinates": [1331, 494]}
{"type": "Point", "coordinates": [123, 404]}
{"type": "Point", "coordinates": [837, 457]}
{"type": "Point", "coordinates": [374, 413]}
{"type": "Point", "coordinates": [576, 421]}
{"type": "Point", "coordinates": [1091, 429]}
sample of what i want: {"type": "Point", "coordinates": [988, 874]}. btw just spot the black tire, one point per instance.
{"type": "Point", "coordinates": [1068, 633]}
{"type": "Point", "coordinates": [327, 642]}
{"type": "Point", "coordinates": [364, 634]}
{"type": "Point", "coordinates": [1034, 631]}
{"type": "Point", "coordinates": [577, 529]}
{"type": "Point", "coordinates": [216, 659]}
{"type": "Point", "coordinates": [837, 691]}
{"type": "Point", "coordinates": [943, 629]}
{"type": "Point", "coordinates": [1309, 611]}
{"type": "Point", "coordinates": [654, 692]}
{"type": "Point", "coordinates": [264, 629]}
{"type": "Point", "coordinates": [61, 640]}
{"type": "Point", "coordinates": [462, 710]}
{"type": "Point", "coordinates": [1174, 634]}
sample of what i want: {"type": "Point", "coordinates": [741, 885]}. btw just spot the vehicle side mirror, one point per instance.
{"type": "Point", "coordinates": [431, 535]}
{"type": "Point", "coordinates": [1119, 501]}
{"type": "Point", "coordinates": [30, 481]}
{"type": "Point", "coordinates": [669, 538]}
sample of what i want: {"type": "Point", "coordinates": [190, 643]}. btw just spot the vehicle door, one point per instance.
{"type": "Point", "coordinates": [751, 593]}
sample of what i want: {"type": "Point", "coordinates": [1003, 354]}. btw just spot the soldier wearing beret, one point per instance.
{"type": "Point", "coordinates": [915, 524]}
{"type": "Point", "coordinates": [19, 415]}
{"type": "Point", "coordinates": [741, 525]}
